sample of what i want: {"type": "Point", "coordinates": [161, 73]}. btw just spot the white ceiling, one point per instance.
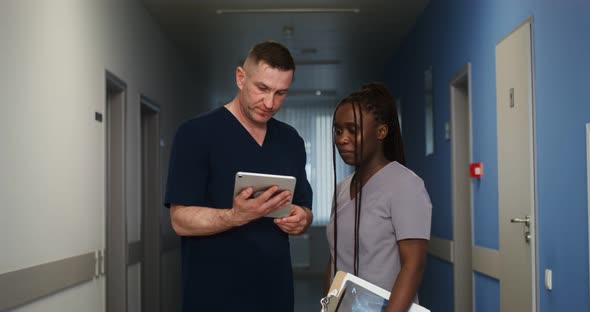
{"type": "Point", "coordinates": [333, 51]}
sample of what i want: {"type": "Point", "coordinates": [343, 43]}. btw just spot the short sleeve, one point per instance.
{"type": "Point", "coordinates": [303, 193]}
{"type": "Point", "coordinates": [411, 211]}
{"type": "Point", "coordinates": [188, 168]}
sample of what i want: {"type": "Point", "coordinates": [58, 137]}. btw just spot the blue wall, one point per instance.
{"type": "Point", "coordinates": [562, 52]}
{"type": "Point", "coordinates": [487, 293]}
{"type": "Point", "coordinates": [454, 32]}
{"type": "Point", "coordinates": [432, 295]}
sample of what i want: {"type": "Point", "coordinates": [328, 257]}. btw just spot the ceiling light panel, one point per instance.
{"type": "Point", "coordinates": [288, 10]}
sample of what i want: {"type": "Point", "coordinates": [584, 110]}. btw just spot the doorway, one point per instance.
{"type": "Point", "coordinates": [150, 205]}
{"type": "Point", "coordinates": [460, 91]}
{"type": "Point", "coordinates": [116, 220]}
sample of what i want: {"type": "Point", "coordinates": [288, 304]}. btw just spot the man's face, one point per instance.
{"type": "Point", "coordinates": [262, 90]}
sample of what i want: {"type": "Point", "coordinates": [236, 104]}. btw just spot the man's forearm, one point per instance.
{"type": "Point", "coordinates": [200, 221]}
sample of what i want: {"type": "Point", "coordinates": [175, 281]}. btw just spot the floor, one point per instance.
{"type": "Point", "coordinates": [308, 292]}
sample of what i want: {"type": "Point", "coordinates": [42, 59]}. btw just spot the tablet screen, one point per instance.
{"type": "Point", "coordinates": [356, 298]}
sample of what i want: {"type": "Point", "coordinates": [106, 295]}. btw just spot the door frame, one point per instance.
{"type": "Point", "coordinates": [150, 208]}
{"type": "Point", "coordinates": [535, 245]}
{"type": "Point", "coordinates": [116, 254]}
{"type": "Point", "coordinates": [462, 252]}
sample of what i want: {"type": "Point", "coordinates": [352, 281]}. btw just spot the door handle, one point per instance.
{"type": "Point", "coordinates": [526, 221]}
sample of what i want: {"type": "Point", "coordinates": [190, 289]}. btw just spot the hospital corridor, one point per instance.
{"type": "Point", "coordinates": [490, 101]}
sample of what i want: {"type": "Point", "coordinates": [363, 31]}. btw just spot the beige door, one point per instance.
{"type": "Point", "coordinates": [516, 169]}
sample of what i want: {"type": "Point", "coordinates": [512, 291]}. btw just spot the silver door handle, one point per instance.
{"type": "Point", "coordinates": [526, 221]}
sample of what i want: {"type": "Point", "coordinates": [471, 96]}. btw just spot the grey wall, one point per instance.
{"type": "Point", "coordinates": [53, 57]}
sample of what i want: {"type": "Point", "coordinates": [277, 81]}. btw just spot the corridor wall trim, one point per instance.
{"type": "Point", "coordinates": [486, 261]}
{"type": "Point", "coordinates": [26, 285]}
{"type": "Point", "coordinates": [441, 248]}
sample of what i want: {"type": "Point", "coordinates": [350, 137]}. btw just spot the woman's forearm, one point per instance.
{"type": "Point", "coordinates": [405, 288]}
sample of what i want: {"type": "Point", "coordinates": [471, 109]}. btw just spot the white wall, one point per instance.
{"type": "Point", "coordinates": [53, 57]}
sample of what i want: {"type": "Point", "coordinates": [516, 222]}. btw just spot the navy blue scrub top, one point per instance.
{"type": "Point", "coordinates": [247, 268]}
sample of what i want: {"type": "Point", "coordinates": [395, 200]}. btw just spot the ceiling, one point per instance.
{"type": "Point", "coordinates": [334, 52]}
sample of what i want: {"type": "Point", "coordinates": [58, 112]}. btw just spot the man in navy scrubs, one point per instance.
{"type": "Point", "coordinates": [233, 258]}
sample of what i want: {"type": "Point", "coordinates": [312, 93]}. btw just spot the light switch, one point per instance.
{"type": "Point", "coordinates": [548, 279]}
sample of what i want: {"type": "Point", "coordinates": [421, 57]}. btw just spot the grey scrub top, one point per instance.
{"type": "Point", "coordinates": [395, 206]}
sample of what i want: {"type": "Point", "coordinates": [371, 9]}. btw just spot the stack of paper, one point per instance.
{"type": "Point", "coordinates": [350, 293]}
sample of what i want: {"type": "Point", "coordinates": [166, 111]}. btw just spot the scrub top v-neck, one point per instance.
{"type": "Point", "coordinates": [236, 121]}
{"type": "Point", "coordinates": [246, 263]}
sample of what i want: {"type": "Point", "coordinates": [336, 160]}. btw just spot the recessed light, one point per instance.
{"type": "Point", "coordinates": [291, 10]}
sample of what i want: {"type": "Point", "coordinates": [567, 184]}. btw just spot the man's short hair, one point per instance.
{"type": "Point", "coordinates": [274, 54]}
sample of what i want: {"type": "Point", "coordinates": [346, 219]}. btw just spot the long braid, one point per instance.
{"type": "Point", "coordinates": [359, 196]}
{"type": "Point", "coordinates": [335, 199]}
{"type": "Point", "coordinates": [355, 185]}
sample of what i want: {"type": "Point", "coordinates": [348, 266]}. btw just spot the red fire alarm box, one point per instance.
{"type": "Point", "coordinates": [476, 170]}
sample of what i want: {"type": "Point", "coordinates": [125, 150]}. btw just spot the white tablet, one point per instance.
{"type": "Point", "coordinates": [261, 182]}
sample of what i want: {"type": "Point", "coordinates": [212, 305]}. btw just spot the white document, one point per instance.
{"type": "Point", "coordinates": [351, 293]}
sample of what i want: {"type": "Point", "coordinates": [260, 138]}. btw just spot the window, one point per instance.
{"type": "Point", "coordinates": [428, 112]}
{"type": "Point", "coordinates": [313, 121]}
{"type": "Point", "coordinates": [398, 107]}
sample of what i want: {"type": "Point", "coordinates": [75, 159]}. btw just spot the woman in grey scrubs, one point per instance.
{"type": "Point", "coordinates": [380, 223]}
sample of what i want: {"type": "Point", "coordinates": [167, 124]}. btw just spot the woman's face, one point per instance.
{"type": "Point", "coordinates": [346, 128]}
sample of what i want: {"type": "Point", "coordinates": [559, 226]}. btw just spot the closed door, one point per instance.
{"type": "Point", "coordinates": [516, 169]}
